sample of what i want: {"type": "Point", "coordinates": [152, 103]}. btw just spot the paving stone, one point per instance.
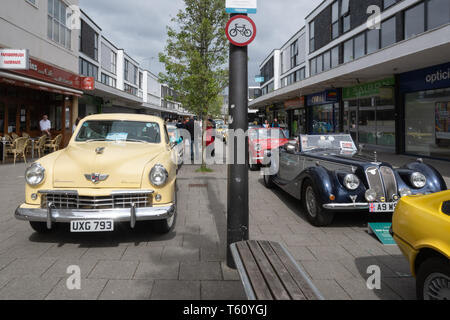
{"type": "Point", "coordinates": [162, 270]}
{"type": "Point", "coordinates": [222, 290]}
{"type": "Point", "coordinates": [90, 289]}
{"type": "Point", "coordinates": [358, 267]}
{"type": "Point", "coordinates": [212, 254]}
{"type": "Point", "coordinates": [329, 270]}
{"type": "Point", "coordinates": [329, 252]}
{"type": "Point", "coordinates": [180, 254]}
{"type": "Point", "coordinates": [27, 288]}
{"type": "Point", "coordinates": [331, 290]}
{"type": "Point", "coordinates": [404, 287]}
{"type": "Point", "coordinates": [358, 290]}
{"type": "Point", "coordinates": [175, 290]}
{"type": "Point", "coordinates": [29, 250]}
{"type": "Point", "coordinates": [301, 253]}
{"type": "Point", "coordinates": [127, 290]}
{"type": "Point", "coordinates": [148, 253]}
{"type": "Point", "coordinates": [109, 269]}
{"type": "Point", "coordinates": [5, 260]}
{"type": "Point", "coordinates": [60, 267]}
{"type": "Point", "coordinates": [104, 253]}
{"type": "Point", "coordinates": [200, 271]}
{"type": "Point", "coordinates": [32, 268]}
{"type": "Point", "coordinates": [65, 251]}
{"type": "Point", "coordinates": [228, 273]}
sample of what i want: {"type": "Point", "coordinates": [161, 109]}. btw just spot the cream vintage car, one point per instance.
{"type": "Point", "coordinates": [116, 168]}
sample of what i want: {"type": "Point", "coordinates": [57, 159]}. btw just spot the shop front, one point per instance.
{"type": "Point", "coordinates": [296, 116]}
{"type": "Point", "coordinates": [369, 114]}
{"type": "Point", "coordinates": [323, 112]}
{"type": "Point", "coordinates": [27, 95]}
{"type": "Point", "coordinates": [426, 99]}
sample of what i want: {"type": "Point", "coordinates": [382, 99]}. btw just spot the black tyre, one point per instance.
{"type": "Point", "coordinates": [312, 206]}
{"type": "Point", "coordinates": [166, 225]}
{"type": "Point", "coordinates": [433, 279]}
{"type": "Point", "coordinates": [40, 227]}
{"type": "Point", "coordinates": [268, 181]}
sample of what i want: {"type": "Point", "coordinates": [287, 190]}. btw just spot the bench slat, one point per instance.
{"type": "Point", "coordinates": [269, 274]}
{"type": "Point", "coordinates": [260, 288]}
{"type": "Point", "coordinates": [302, 280]}
{"type": "Point", "coordinates": [288, 282]}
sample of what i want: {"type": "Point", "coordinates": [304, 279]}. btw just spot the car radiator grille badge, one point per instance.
{"type": "Point", "coordinates": [96, 177]}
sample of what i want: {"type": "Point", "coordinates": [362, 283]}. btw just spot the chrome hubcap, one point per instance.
{"type": "Point", "coordinates": [437, 287]}
{"type": "Point", "coordinates": [311, 203]}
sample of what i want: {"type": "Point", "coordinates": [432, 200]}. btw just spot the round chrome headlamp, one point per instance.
{"type": "Point", "coordinates": [418, 180]}
{"type": "Point", "coordinates": [351, 182]}
{"type": "Point", "coordinates": [34, 175]}
{"type": "Point", "coordinates": [158, 175]}
{"type": "Point", "coordinates": [405, 192]}
{"type": "Point", "coordinates": [371, 195]}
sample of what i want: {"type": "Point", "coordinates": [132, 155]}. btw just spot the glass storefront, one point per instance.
{"type": "Point", "coordinates": [323, 112]}
{"type": "Point", "coordinates": [369, 114]}
{"type": "Point", "coordinates": [427, 123]}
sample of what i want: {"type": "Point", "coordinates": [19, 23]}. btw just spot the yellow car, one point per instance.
{"type": "Point", "coordinates": [116, 168]}
{"type": "Point", "coordinates": [421, 228]}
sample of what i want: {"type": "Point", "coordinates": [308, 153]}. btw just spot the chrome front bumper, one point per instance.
{"type": "Point", "coordinates": [346, 206]}
{"type": "Point", "coordinates": [118, 215]}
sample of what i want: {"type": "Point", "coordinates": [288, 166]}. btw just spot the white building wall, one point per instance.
{"type": "Point", "coordinates": [120, 69]}
{"type": "Point", "coordinates": [24, 26]}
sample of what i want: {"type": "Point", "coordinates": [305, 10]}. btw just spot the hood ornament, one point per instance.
{"type": "Point", "coordinates": [99, 150]}
{"type": "Point", "coordinates": [96, 177]}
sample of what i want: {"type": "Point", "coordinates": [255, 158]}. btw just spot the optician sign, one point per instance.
{"type": "Point", "coordinates": [241, 6]}
{"type": "Point", "coordinates": [436, 77]}
{"type": "Point", "coordinates": [14, 59]}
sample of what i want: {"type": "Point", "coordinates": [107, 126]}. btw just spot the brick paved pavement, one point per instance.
{"type": "Point", "coordinates": [189, 263]}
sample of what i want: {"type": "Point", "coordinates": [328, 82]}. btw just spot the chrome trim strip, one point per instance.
{"type": "Point", "coordinates": [133, 216]}
{"type": "Point", "coordinates": [49, 215]}
{"type": "Point", "coordinates": [115, 192]}
{"type": "Point", "coordinates": [346, 206]}
{"type": "Point", "coordinates": [118, 215]}
{"type": "Point", "coordinates": [63, 192]}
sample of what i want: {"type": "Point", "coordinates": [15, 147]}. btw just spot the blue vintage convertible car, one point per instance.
{"type": "Point", "coordinates": [329, 175]}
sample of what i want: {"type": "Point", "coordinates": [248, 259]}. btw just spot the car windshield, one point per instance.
{"type": "Point", "coordinates": [117, 130]}
{"type": "Point", "coordinates": [264, 133]}
{"type": "Point", "coordinates": [342, 142]}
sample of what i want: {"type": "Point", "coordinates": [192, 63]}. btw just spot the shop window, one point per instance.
{"type": "Point", "coordinates": [67, 124]}
{"type": "Point", "coordinates": [12, 118]}
{"type": "Point", "coordinates": [2, 118]}
{"type": "Point", "coordinates": [360, 46]}
{"type": "Point", "coordinates": [388, 33]}
{"type": "Point", "coordinates": [438, 13]}
{"type": "Point", "coordinates": [348, 51]}
{"type": "Point", "coordinates": [23, 119]}
{"type": "Point", "coordinates": [415, 21]}
{"type": "Point", "coordinates": [373, 40]}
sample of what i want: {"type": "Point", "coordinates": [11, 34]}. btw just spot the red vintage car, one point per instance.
{"type": "Point", "coordinates": [261, 141]}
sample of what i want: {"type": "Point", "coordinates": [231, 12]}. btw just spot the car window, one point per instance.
{"type": "Point", "coordinates": [117, 130]}
{"type": "Point", "coordinates": [338, 142]}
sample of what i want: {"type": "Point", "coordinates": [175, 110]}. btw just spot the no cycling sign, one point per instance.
{"type": "Point", "coordinates": [240, 30]}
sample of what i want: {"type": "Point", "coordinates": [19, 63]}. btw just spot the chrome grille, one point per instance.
{"type": "Point", "coordinates": [375, 182]}
{"type": "Point", "coordinates": [71, 200]}
{"type": "Point", "coordinates": [390, 183]}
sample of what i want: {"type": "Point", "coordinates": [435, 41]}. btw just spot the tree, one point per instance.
{"type": "Point", "coordinates": [195, 57]}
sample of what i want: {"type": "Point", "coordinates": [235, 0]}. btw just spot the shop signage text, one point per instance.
{"type": "Point", "coordinates": [436, 77]}
{"type": "Point", "coordinates": [295, 103]}
{"type": "Point", "coordinates": [365, 90]}
{"type": "Point", "coordinates": [329, 96]}
{"type": "Point", "coordinates": [88, 83]}
{"type": "Point", "coordinates": [241, 6]}
{"type": "Point", "coordinates": [14, 59]}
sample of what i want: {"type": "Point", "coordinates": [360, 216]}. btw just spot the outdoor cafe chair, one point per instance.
{"type": "Point", "coordinates": [19, 148]}
{"type": "Point", "coordinates": [14, 135]}
{"type": "Point", "coordinates": [40, 145]}
{"type": "Point", "coordinates": [54, 144]}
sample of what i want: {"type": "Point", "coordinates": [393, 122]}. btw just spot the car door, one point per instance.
{"type": "Point", "coordinates": [290, 164]}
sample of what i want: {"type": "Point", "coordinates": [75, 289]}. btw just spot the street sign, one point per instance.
{"type": "Point", "coordinates": [241, 30]}
{"type": "Point", "coordinates": [241, 6]}
{"type": "Point", "coordinates": [259, 79]}
{"type": "Point", "coordinates": [14, 59]}
{"type": "Point", "coordinates": [381, 230]}
{"type": "Point", "coordinates": [88, 83]}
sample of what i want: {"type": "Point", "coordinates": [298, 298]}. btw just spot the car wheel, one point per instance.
{"type": "Point", "coordinates": [268, 182]}
{"type": "Point", "coordinates": [40, 227]}
{"type": "Point", "coordinates": [433, 280]}
{"type": "Point", "coordinates": [315, 213]}
{"type": "Point", "coordinates": [167, 225]}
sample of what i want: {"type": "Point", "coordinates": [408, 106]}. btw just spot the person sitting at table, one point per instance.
{"type": "Point", "coordinates": [45, 125]}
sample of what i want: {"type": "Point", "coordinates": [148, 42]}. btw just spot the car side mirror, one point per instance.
{"type": "Point", "coordinates": [290, 148]}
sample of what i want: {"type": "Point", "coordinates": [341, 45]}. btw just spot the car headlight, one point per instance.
{"type": "Point", "coordinates": [371, 195]}
{"type": "Point", "coordinates": [34, 175]}
{"type": "Point", "coordinates": [158, 175]}
{"type": "Point", "coordinates": [405, 192]}
{"type": "Point", "coordinates": [418, 180]}
{"type": "Point", "coordinates": [351, 181]}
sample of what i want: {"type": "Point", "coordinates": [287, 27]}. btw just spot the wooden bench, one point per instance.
{"type": "Point", "coordinates": [269, 272]}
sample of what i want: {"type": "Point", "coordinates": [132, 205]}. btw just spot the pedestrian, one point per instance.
{"type": "Point", "coordinates": [275, 123]}
{"type": "Point", "coordinates": [266, 124]}
{"type": "Point", "coordinates": [45, 126]}
{"type": "Point", "coordinates": [77, 121]}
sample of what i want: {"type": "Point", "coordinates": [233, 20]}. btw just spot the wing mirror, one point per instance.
{"type": "Point", "coordinates": [291, 147]}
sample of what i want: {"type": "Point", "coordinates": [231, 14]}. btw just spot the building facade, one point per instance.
{"type": "Point", "coordinates": [363, 52]}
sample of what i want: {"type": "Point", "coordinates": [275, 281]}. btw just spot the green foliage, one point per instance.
{"type": "Point", "coordinates": [196, 54]}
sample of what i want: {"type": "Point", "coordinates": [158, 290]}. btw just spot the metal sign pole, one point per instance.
{"type": "Point", "coordinates": [237, 209]}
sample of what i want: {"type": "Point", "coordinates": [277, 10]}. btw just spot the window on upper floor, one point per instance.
{"type": "Point", "coordinates": [312, 46]}
{"type": "Point", "coordinates": [57, 30]}
{"type": "Point", "coordinates": [345, 14]}
{"type": "Point", "coordinates": [438, 13]}
{"type": "Point", "coordinates": [415, 20]}
{"type": "Point", "coordinates": [335, 20]}
{"type": "Point", "coordinates": [88, 69]}
{"type": "Point", "coordinates": [388, 32]}
{"type": "Point", "coordinates": [373, 40]}
{"type": "Point", "coordinates": [294, 54]}
{"type": "Point", "coordinates": [126, 69]}
{"type": "Point", "coordinates": [33, 2]}
{"type": "Point", "coordinates": [109, 81]}
{"type": "Point", "coordinates": [360, 46]}
{"type": "Point", "coordinates": [327, 61]}
{"type": "Point", "coordinates": [388, 3]}
{"type": "Point", "coordinates": [335, 57]}
{"type": "Point", "coordinates": [141, 77]}
{"type": "Point", "coordinates": [96, 47]}
{"type": "Point", "coordinates": [313, 67]}
{"type": "Point", "coordinates": [348, 51]}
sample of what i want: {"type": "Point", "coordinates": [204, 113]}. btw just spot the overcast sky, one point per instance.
{"type": "Point", "coordinates": [139, 26]}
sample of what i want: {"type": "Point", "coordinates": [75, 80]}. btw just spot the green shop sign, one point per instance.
{"type": "Point", "coordinates": [370, 89]}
